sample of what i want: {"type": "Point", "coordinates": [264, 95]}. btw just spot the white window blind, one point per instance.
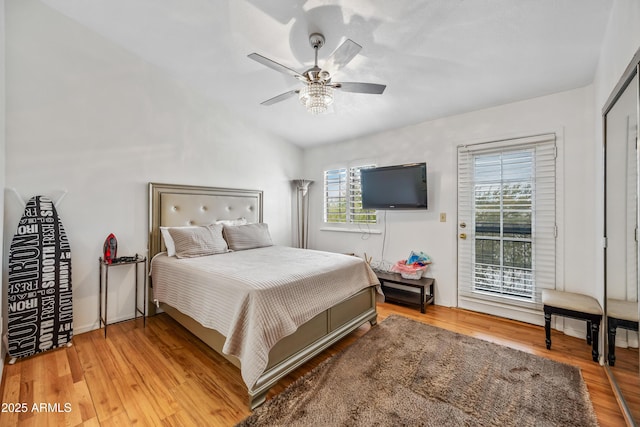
{"type": "Point", "coordinates": [335, 196]}
{"type": "Point", "coordinates": [343, 197]}
{"type": "Point", "coordinates": [631, 252]}
{"type": "Point", "coordinates": [506, 208]}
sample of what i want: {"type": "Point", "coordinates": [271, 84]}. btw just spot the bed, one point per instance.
{"type": "Point", "coordinates": [267, 309]}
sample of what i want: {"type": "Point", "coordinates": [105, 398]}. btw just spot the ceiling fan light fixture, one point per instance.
{"type": "Point", "coordinates": [316, 97]}
{"type": "Point", "coordinates": [317, 93]}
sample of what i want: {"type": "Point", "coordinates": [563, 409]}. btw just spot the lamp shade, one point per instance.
{"type": "Point", "coordinates": [302, 185]}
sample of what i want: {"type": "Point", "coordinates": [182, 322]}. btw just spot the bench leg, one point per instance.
{"type": "Point", "coordinates": [612, 325]}
{"type": "Point", "coordinates": [547, 329]}
{"type": "Point", "coordinates": [595, 332]}
{"type": "Point", "coordinates": [589, 332]}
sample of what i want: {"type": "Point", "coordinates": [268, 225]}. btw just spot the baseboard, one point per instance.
{"type": "Point", "coordinates": [96, 325]}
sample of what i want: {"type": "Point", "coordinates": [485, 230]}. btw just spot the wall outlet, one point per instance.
{"type": "Point", "coordinates": [443, 217]}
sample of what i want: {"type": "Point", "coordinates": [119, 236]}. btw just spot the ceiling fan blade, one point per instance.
{"type": "Point", "coordinates": [372, 88]}
{"type": "Point", "coordinates": [342, 56]}
{"type": "Point", "coordinates": [275, 66]}
{"type": "Point", "coordinates": [280, 97]}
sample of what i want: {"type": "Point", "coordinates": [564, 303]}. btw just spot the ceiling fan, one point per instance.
{"type": "Point", "coordinates": [317, 93]}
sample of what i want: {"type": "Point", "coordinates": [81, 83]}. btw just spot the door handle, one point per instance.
{"type": "Point", "coordinates": [463, 236]}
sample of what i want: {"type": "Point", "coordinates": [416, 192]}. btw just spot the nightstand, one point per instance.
{"type": "Point", "coordinates": [104, 271]}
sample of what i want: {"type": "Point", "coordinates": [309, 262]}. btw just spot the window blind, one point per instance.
{"type": "Point", "coordinates": [335, 195]}
{"type": "Point", "coordinates": [357, 214]}
{"type": "Point", "coordinates": [631, 251]}
{"type": "Point", "coordinates": [343, 197]}
{"type": "Point", "coordinates": [506, 208]}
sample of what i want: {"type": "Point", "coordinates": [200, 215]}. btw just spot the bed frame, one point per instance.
{"type": "Point", "coordinates": [179, 205]}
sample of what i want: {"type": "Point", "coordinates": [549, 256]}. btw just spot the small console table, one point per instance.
{"type": "Point", "coordinates": [393, 294]}
{"type": "Point", "coordinates": [104, 271]}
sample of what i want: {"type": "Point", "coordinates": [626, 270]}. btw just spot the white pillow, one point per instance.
{"type": "Point", "coordinates": [198, 241]}
{"type": "Point", "coordinates": [250, 236]}
{"type": "Point", "coordinates": [237, 221]}
{"type": "Point", "coordinates": [170, 244]}
{"type": "Point", "coordinates": [168, 240]}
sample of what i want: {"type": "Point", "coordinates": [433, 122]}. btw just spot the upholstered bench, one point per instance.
{"type": "Point", "coordinates": [620, 314]}
{"type": "Point", "coordinates": [575, 306]}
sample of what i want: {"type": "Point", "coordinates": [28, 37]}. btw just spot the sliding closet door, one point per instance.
{"type": "Point", "coordinates": [621, 253]}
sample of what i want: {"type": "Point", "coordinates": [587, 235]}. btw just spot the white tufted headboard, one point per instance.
{"type": "Point", "coordinates": [176, 205]}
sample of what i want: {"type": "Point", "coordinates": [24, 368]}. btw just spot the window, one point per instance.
{"type": "Point", "coordinates": [343, 197]}
{"type": "Point", "coordinates": [506, 207]}
{"type": "Point", "coordinates": [503, 215]}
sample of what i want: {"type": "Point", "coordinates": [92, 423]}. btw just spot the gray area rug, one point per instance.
{"type": "Point", "coordinates": [406, 373]}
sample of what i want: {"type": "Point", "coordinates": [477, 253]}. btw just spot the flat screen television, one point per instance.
{"type": "Point", "coordinates": [395, 187]}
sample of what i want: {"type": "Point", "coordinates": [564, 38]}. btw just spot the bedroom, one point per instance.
{"type": "Point", "coordinates": [87, 117]}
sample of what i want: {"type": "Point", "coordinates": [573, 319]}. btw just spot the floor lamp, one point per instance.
{"type": "Point", "coordinates": [302, 207]}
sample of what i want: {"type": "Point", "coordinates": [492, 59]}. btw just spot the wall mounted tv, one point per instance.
{"type": "Point", "coordinates": [395, 187]}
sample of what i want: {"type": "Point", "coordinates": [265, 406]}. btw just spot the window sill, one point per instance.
{"type": "Point", "coordinates": [352, 230]}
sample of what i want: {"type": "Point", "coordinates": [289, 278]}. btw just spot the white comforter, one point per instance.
{"type": "Point", "coordinates": [257, 297]}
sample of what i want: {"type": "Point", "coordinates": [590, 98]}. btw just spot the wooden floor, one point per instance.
{"type": "Point", "coordinates": [163, 375]}
{"type": "Point", "coordinates": [627, 363]}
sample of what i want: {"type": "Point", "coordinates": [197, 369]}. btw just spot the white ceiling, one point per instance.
{"type": "Point", "coordinates": [437, 57]}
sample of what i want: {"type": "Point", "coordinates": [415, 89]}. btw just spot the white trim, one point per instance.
{"type": "Point", "coordinates": [524, 311]}
{"type": "Point", "coordinates": [521, 314]}
{"type": "Point", "coordinates": [507, 142]}
{"type": "Point", "coordinates": [351, 230]}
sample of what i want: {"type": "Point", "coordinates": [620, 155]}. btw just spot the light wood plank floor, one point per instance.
{"type": "Point", "coordinates": [162, 375]}
{"type": "Point", "coordinates": [627, 363]}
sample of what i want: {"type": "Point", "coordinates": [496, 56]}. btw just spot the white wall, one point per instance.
{"type": "Point", "coordinates": [622, 40]}
{"type": "Point", "coordinates": [568, 114]}
{"type": "Point", "coordinates": [87, 117]}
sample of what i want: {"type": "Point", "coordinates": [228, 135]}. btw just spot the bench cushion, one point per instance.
{"type": "Point", "coordinates": [571, 301]}
{"type": "Point", "coordinates": [625, 310]}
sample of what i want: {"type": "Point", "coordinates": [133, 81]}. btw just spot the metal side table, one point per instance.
{"type": "Point", "coordinates": [104, 271]}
